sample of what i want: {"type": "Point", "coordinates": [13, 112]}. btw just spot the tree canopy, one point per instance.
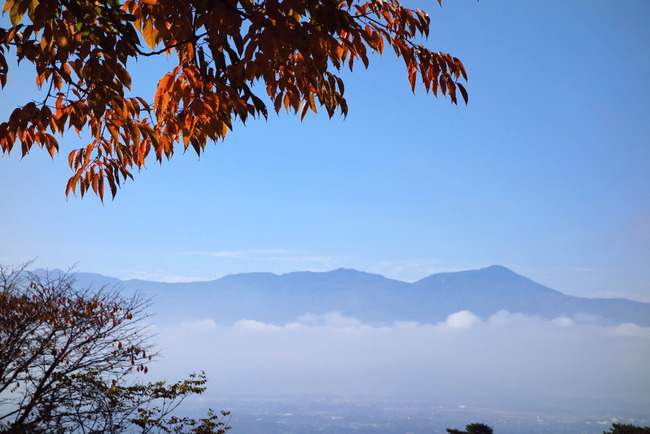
{"type": "Point", "coordinates": [233, 55]}
{"type": "Point", "coordinates": [623, 428]}
{"type": "Point", "coordinates": [69, 359]}
{"type": "Point", "coordinates": [473, 428]}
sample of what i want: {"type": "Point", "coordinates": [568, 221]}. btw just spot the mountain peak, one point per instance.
{"type": "Point", "coordinates": [497, 271]}
{"type": "Point", "coordinates": [499, 268]}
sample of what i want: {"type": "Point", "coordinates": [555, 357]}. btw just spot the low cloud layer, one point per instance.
{"type": "Point", "coordinates": [509, 360]}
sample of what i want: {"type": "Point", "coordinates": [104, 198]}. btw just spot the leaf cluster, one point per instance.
{"type": "Point", "coordinates": [232, 54]}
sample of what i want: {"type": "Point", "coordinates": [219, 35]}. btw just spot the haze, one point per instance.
{"type": "Point", "coordinates": [510, 361]}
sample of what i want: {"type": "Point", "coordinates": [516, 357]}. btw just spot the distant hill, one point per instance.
{"type": "Point", "coordinates": [371, 297]}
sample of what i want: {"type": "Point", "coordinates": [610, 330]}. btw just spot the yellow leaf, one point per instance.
{"type": "Point", "coordinates": [16, 13]}
{"type": "Point", "coordinates": [312, 103]}
{"type": "Point", "coordinates": [8, 5]}
{"type": "Point", "coordinates": [149, 34]}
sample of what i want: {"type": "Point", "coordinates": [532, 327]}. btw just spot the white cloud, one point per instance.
{"type": "Point", "coordinates": [563, 321]}
{"type": "Point", "coordinates": [493, 362]}
{"type": "Point", "coordinates": [163, 275]}
{"type": "Point", "coordinates": [253, 253]}
{"type": "Point", "coordinates": [629, 329]}
{"type": "Point", "coordinates": [248, 324]}
{"type": "Point", "coordinates": [331, 320]}
{"type": "Point", "coordinates": [462, 320]}
{"type": "Point", "coordinates": [504, 318]}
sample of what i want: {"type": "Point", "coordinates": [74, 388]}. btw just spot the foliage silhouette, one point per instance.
{"type": "Point", "coordinates": [69, 359]}
{"type": "Point", "coordinates": [621, 428]}
{"type": "Point", "coordinates": [473, 428]}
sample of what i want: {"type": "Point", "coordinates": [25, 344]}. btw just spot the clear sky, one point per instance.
{"type": "Point", "coordinates": [546, 171]}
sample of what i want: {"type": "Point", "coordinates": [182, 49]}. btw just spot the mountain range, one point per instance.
{"type": "Point", "coordinates": [372, 298]}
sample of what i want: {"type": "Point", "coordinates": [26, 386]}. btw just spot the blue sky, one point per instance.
{"type": "Point", "coordinates": [546, 171]}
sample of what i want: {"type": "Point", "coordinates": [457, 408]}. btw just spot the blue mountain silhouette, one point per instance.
{"type": "Point", "coordinates": [372, 298]}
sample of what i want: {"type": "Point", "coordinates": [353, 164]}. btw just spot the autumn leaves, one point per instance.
{"type": "Point", "coordinates": [227, 50]}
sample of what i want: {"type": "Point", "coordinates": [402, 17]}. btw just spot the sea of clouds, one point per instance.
{"type": "Point", "coordinates": [509, 360]}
